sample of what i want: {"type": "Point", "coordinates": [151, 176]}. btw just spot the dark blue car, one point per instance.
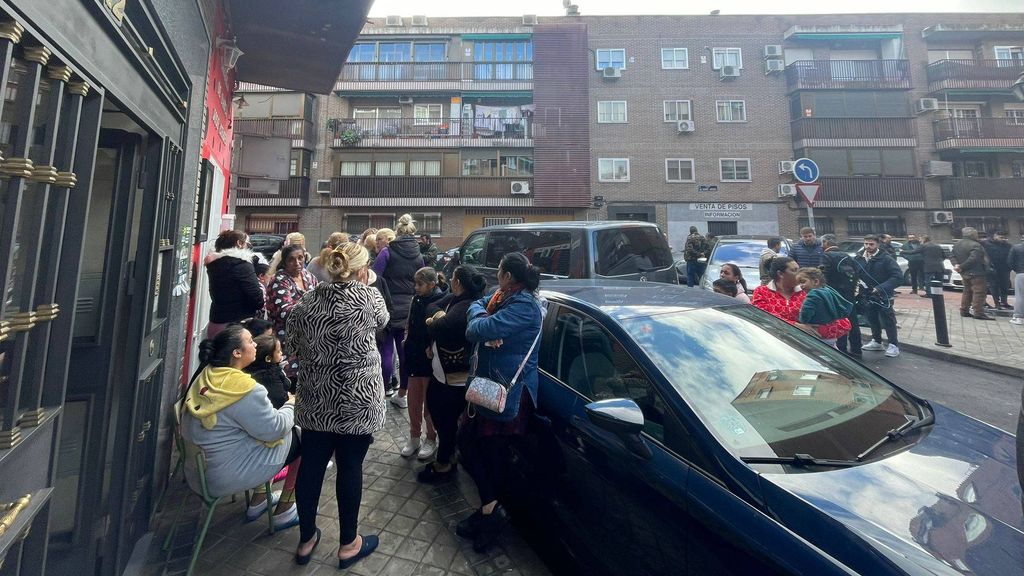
{"type": "Point", "coordinates": [681, 433]}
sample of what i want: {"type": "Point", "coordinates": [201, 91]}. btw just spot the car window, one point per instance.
{"type": "Point", "coordinates": [548, 250]}
{"type": "Point", "coordinates": [766, 389]}
{"type": "Point", "coordinates": [631, 250]}
{"type": "Point", "coordinates": [592, 362]}
{"type": "Point", "coordinates": [472, 250]}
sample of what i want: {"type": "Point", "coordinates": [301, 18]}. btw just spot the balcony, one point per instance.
{"type": "Point", "coordinates": [982, 193]}
{"type": "Point", "coordinates": [435, 191]}
{"type": "Point", "coordinates": [260, 192]}
{"type": "Point", "coordinates": [848, 75]}
{"type": "Point", "coordinates": [430, 133]}
{"type": "Point", "coordinates": [435, 76]}
{"type": "Point", "coordinates": [853, 132]}
{"type": "Point", "coordinates": [983, 134]}
{"type": "Point", "coordinates": [300, 132]}
{"type": "Point", "coordinates": [871, 192]}
{"type": "Point", "coordinates": [974, 75]}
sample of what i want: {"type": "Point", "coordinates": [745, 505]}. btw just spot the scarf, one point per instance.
{"type": "Point", "coordinates": [500, 296]}
{"type": "Point", "coordinates": [214, 390]}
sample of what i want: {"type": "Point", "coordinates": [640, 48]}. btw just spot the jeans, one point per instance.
{"type": "Point", "coordinates": [393, 342]}
{"type": "Point", "coordinates": [852, 338]}
{"type": "Point", "coordinates": [349, 450]}
{"type": "Point", "coordinates": [446, 403]}
{"type": "Point", "coordinates": [1018, 295]}
{"type": "Point", "coordinates": [694, 270]}
{"type": "Point", "coordinates": [917, 276]}
{"type": "Point", "coordinates": [999, 285]}
{"type": "Point", "coordinates": [881, 315]}
{"type": "Point", "coordinates": [975, 292]}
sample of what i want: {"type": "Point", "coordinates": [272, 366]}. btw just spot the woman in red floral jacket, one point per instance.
{"type": "Point", "coordinates": [782, 297]}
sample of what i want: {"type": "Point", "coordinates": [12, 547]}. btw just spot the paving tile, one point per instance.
{"type": "Point", "coordinates": [426, 570]}
{"type": "Point", "coordinates": [390, 542]}
{"type": "Point", "coordinates": [372, 565]}
{"type": "Point", "coordinates": [426, 531]}
{"type": "Point", "coordinates": [399, 567]}
{"type": "Point", "coordinates": [412, 549]}
{"type": "Point", "coordinates": [440, 555]}
{"type": "Point", "coordinates": [401, 525]}
{"type": "Point", "coordinates": [413, 509]}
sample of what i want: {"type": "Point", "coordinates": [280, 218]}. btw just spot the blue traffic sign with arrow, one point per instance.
{"type": "Point", "coordinates": [805, 170]}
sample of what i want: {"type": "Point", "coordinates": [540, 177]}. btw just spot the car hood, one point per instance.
{"type": "Point", "coordinates": [950, 504]}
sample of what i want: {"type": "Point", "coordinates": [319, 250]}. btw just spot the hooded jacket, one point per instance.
{"type": "Point", "coordinates": [824, 305]}
{"type": "Point", "coordinates": [397, 265]}
{"type": "Point", "coordinates": [245, 440]}
{"type": "Point", "coordinates": [880, 271]}
{"type": "Point", "coordinates": [1015, 259]}
{"type": "Point", "coordinates": [449, 331]}
{"type": "Point", "coordinates": [272, 377]}
{"type": "Point", "coordinates": [417, 338]}
{"type": "Point", "coordinates": [235, 289]}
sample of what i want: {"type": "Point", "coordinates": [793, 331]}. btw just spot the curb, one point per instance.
{"type": "Point", "coordinates": [942, 354]}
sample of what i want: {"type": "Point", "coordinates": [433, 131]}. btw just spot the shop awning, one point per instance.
{"type": "Point", "coordinates": [300, 45]}
{"type": "Point", "coordinates": [841, 33]}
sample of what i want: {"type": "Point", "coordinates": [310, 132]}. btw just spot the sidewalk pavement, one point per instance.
{"type": "Point", "coordinates": [416, 524]}
{"type": "Point", "coordinates": [996, 345]}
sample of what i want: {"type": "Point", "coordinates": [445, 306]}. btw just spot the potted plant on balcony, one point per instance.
{"type": "Point", "coordinates": [350, 136]}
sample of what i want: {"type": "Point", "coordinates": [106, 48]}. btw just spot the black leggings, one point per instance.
{"type": "Point", "coordinates": [446, 404]}
{"type": "Point", "coordinates": [349, 451]}
{"type": "Point", "coordinates": [485, 458]}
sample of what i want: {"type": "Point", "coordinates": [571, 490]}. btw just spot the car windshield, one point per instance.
{"type": "Point", "coordinates": [765, 389]}
{"type": "Point", "coordinates": [743, 254]}
{"type": "Point", "coordinates": [622, 251]}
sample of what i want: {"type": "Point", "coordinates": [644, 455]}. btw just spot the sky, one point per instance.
{"type": "Point", "coordinates": [599, 7]}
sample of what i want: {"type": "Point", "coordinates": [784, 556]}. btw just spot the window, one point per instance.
{"type": "Point", "coordinates": [623, 251]}
{"type": "Point", "coordinates": [987, 224]}
{"type": "Point", "coordinates": [731, 110]}
{"type": "Point", "coordinates": [675, 58]}
{"type": "Point", "coordinates": [357, 223]}
{"type": "Point", "coordinates": [726, 57]}
{"type": "Point", "coordinates": [432, 52]}
{"type": "Point", "coordinates": [971, 169]}
{"type": "Point", "coordinates": [1009, 56]}
{"type": "Point", "coordinates": [852, 104]}
{"type": "Point", "coordinates": [349, 168]}
{"type": "Point", "coordinates": [734, 169]}
{"type": "Point", "coordinates": [1017, 168]}
{"type": "Point", "coordinates": [614, 58]}
{"type": "Point", "coordinates": [472, 251]}
{"type": "Point", "coordinates": [299, 163]}
{"type": "Point", "coordinates": [502, 221]}
{"type": "Point", "coordinates": [1015, 116]}
{"type": "Point", "coordinates": [678, 170]}
{"type": "Point", "coordinates": [389, 168]}
{"type": "Point", "coordinates": [427, 114]}
{"type": "Point", "coordinates": [549, 250]}
{"type": "Point", "coordinates": [821, 225]}
{"type": "Point", "coordinates": [611, 112]}
{"type": "Point", "coordinates": [503, 60]}
{"type": "Point", "coordinates": [863, 161]}
{"type": "Point", "coordinates": [863, 226]}
{"type": "Point", "coordinates": [613, 169]}
{"type": "Point", "coordinates": [676, 110]}
{"type": "Point", "coordinates": [427, 223]}
{"type": "Point", "coordinates": [723, 228]}
{"type": "Point", "coordinates": [424, 168]}
{"type": "Point", "coordinates": [517, 166]}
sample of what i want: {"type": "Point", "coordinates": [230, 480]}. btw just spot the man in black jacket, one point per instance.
{"type": "Point", "coordinates": [879, 277]}
{"type": "Point", "coordinates": [932, 261]}
{"type": "Point", "coordinates": [841, 275]}
{"type": "Point", "coordinates": [998, 251]}
{"type": "Point", "coordinates": [915, 263]}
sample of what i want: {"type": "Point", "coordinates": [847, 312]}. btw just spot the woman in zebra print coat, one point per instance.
{"type": "Point", "coordinates": [340, 393]}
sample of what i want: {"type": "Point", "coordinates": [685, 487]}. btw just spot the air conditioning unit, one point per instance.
{"type": "Point", "coordinates": [611, 72]}
{"type": "Point", "coordinates": [773, 51]}
{"type": "Point", "coordinates": [393, 21]}
{"type": "Point", "coordinates": [323, 186]}
{"type": "Point", "coordinates": [927, 105]}
{"type": "Point", "coordinates": [685, 126]}
{"type": "Point", "coordinates": [729, 72]}
{"type": "Point", "coordinates": [786, 166]}
{"type": "Point", "coordinates": [419, 20]}
{"type": "Point", "coordinates": [787, 190]}
{"type": "Point", "coordinates": [937, 168]}
{"type": "Point", "coordinates": [941, 217]}
{"type": "Point", "coordinates": [521, 187]}
{"type": "Point", "coordinates": [529, 20]}
{"type": "Point", "coordinates": [405, 99]}
{"type": "Point", "coordinates": [774, 66]}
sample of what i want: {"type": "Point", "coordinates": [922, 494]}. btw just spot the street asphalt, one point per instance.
{"type": "Point", "coordinates": [988, 396]}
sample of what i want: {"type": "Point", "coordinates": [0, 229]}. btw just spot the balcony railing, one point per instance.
{"type": "Point", "coordinates": [290, 192]}
{"type": "Point", "coordinates": [983, 193]}
{"type": "Point", "coordinates": [839, 131]}
{"type": "Point", "coordinates": [433, 133]}
{"type": "Point", "coordinates": [974, 74]}
{"type": "Point", "coordinates": [979, 132]}
{"type": "Point", "coordinates": [429, 190]}
{"type": "Point", "coordinates": [436, 71]}
{"type": "Point", "coordinates": [299, 131]}
{"type": "Point", "coordinates": [871, 192]}
{"type": "Point", "coordinates": [848, 74]}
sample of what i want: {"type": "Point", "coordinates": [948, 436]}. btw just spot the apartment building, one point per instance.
{"type": "Point", "coordinates": [682, 120]}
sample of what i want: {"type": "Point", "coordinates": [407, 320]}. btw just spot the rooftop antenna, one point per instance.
{"type": "Point", "coordinates": [570, 8]}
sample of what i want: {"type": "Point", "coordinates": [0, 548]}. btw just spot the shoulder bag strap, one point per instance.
{"type": "Point", "coordinates": [525, 358]}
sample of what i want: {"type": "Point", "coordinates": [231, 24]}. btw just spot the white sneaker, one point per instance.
{"type": "Point", "coordinates": [1017, 321]}
{"type": "Point", "coordinates": [411, 447]}
{"type": "Point", "coordinates": [286, 519]}
{"type": "Point", "coordinates": [254, 512]}
{"type": "Point", "coordinates": [874, 345]}
{"type": "Point", "coordinates": [427, 450]}
{"type": "Point", "coordinates": [399, 401]}
{"type": "Point", "coordinates": [892, 351]}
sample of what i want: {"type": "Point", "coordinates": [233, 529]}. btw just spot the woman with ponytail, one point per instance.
{"type": "Point", "coordinates": [340, 393]}
{"type": "Point", "coordinates": [245, 440]}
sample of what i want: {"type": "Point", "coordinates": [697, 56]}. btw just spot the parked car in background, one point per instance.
{"type": "Point", "coordinates": [743, 251]}
{"type": "Point", "coordinates": [614, 249]}
{"type": "Point", "coordinates": [445, 260]}
{"type": "Point", "coordinates": [266, 244]}
{"type": "Point", "coordinates": [678, 432]}
{"type": "Point", "coordinates": [950, 277]}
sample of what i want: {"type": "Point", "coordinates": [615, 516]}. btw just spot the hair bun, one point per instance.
{"type": "Point", "coordinates": [206, 350]}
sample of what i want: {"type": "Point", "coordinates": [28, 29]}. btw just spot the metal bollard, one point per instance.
{"type": "Point", "coordinates": [939, 312]}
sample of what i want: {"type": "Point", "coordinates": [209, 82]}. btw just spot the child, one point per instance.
{"type": "Point", "coordinates": [428, 286]}
{"type": "Point", "coordinates": [823, 307]}
{"type": "Point", "coordinates": [266, 370]}
{"type": "Point", "coordinates": [725, 287]}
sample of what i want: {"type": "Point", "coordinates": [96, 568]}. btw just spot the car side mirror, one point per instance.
{"type": "Point", "coordinates": [622, 417]}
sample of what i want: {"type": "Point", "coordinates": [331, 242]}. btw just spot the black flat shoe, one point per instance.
{"type": "Point", "coordinates": [430, 475]}
{"type": "Point", "coordinates": [369, 545]}
{"type": "Point", "coordinates": [303, 559]}
{"type": "Point", "coordinates": [491, 526]}
{"type": "Point", "coordinates": [470, 525]}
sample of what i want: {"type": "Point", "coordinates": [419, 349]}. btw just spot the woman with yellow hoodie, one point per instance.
{"type": "Point", "coordinates": [245, 440]}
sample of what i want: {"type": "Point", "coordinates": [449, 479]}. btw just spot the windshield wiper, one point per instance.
{"type": "Point", "coordinates": [800, 460]}
{"type": "Point", "coordinates": [899, 432]}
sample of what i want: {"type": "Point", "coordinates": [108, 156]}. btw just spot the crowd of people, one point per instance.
{"type": "Point", "coordinates": [298, 365]}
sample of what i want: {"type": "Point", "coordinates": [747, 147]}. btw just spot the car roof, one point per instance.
{"type": "Point", "coordinates": [581, 224]}
{"type": "Point", "coordinates": [623, 299]}
{"type": "Point", "coordinates": [752, 237]}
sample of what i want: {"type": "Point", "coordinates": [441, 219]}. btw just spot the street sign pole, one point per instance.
{"type": "Point", "coordinates": [806, 172]}
{"type": "Point", "coordinates": [810, 218]}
